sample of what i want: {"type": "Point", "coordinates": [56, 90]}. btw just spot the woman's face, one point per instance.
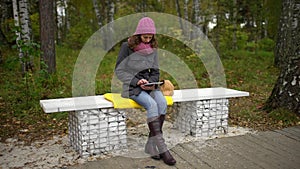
{"type": "Point", "coordinates": [146, 38]}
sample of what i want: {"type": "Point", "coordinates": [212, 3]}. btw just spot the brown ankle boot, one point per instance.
{"type": "Point", "coordinates": [150, 147]}
{"type": "Point", "coordinates": [154, 126]}
{"type": "Point", "coordinates": [161, 121]}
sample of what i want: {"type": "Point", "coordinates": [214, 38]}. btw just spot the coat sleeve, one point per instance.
{"type": "Point", "coordinates": [121, 70]}
{"type": "Point", "coordinates": [154, 76]}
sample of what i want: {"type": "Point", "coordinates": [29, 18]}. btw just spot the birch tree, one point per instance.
{"type": "Point", "coordinates": [185, 9]}
{"type": "Point", "coordinates": [218, 26]}
{"type": "Point", "coordinates": [97, 12]}
{"type": "Point", "coordinates": [110, 29]}
{"type": "Point", "coordinates": [196, 10]}
{"type": "Point", "coordinates": [16, 20]}
{"type": "Point", "coordinates": [234, 38]}
{"type": "Point", "coordinates": [110, 11]}
{"type": "Point", "coordinates": [67, 19]}
{"type": "Point", "coordinates": [286, 92]}
{"type": "Point", "coordinates": [23, 40]}
{"type": "Point", "coordinates": [283, 31]}
{"type": "Point", "coordinates": [198, 17]}
{"type": "Point", "coordinates": [25, 20]}
{"type": "Point", "coordinates": [59, 11]}
{"type": "Point", "coordinates": [62, 20]}
{"type": "Point", "coordinates": [179, 15]}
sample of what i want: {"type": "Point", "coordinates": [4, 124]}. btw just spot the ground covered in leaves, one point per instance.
{"type": "Point", "coordinates": [22, 118]}
{"type": "Point", "coordinates": [46, 128]}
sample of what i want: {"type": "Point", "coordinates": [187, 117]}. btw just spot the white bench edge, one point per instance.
{"type": "Point", "coordinates": [94, 102]}
{"type": "Point", "coordinates": [206, 93]}
{"type": "Point", "coordinates": [74, 103]}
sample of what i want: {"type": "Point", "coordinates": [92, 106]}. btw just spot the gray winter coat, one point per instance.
{"type": "Point", "coordinates": [132, 66]}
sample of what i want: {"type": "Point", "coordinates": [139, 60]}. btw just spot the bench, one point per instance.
{"type": "Point", "coordinates": [96, 127]}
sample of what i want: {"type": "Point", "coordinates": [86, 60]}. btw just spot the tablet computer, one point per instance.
{"type": "Point", "coordinates": [153, 83]}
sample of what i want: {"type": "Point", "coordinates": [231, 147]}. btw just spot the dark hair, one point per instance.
{"type": "Point", "coordinates": [134, 40]}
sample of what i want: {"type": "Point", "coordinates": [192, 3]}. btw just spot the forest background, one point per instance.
{"type": "Point", "coordinates": [244, 33]}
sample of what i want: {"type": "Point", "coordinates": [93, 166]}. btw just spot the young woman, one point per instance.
{"type": "Point", "coordinates": [137, 65]}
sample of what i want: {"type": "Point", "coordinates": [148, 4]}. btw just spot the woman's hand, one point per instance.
{"type": "Point", "coordinates": [148, 87]}
{"type": "Point", "coordinates": [144, 81]}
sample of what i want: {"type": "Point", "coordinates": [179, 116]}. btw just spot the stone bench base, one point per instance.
{"type": "Point", "coordinates": [203, 118]}
{"type": "Point", "coordinates": [97, 131]}
{"type": "Point", "coordinates": [95, 127]}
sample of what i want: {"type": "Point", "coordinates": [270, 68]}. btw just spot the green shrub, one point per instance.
{"type": "Point", "coordinates": [266, 44]}
{"type": "Point", "coordinates": [251, 46]}
{"type": "Point", "coordinates": [226, 39]}
{"type": "Point", "coordinates": [242, 38]}
{"type": "Point", "coordinates": [78, 35]}
{"type": "Point", "coordinates": [35, 25]}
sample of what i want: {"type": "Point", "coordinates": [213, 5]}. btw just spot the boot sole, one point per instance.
{"type": "Point", "coordinates": [155, 157]}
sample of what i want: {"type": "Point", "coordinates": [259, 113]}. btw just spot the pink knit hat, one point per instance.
{"type": "Point", "coordinates": [145, 26]}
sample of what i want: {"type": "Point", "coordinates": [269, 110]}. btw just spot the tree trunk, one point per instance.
{"type": "Point", "coordinates": [144, 5]}
{"type": "Point", "coordinates": [62, 21]}
{"type": "Point", "coordinates": [141, 6]}
{"type": "Point", "coordinates": [97, 12]}
{"type": "Point", "coordinates": [185, 9]}
{"type": "Point", "coordinates": [258, 20]}
{"type": "Point", "coordinates": [234, 19]}
{"type": "Point", "coordinates": [110, 29]}
{"type": "Point", "coordinates": [67, 20]}
{"type": "Point", "coordinates": [25, 20]}
{"type": "Point", "coordinates": [283, 32]}
{"type": "Point", "coordinates": [3, 11]}
{"type": "Point", "coordinates": [16, 18]}
{"type": "Point", "coordinates": [264, 20]}
{"type": "Point", "coordinates": [58, 20]}
{"type": "Point", "coordinates": [117, 4]}
{"type": "Point", "coordinates": [111, 11]}
{"type": "Point", "coordinates": [179, 15]}
{"type": "Point", "coordinates": [47, 35]}
{"type": "Point", "coordinates": [286, 93]}
{"type": "Point", "coordinates": [218, 28]}
{"type": "Point", "coordinates": [3, 40]}
{"type": "Point", "coordinates": [196, 12]}
{"type": "Point", "coordinates": [18, 35]}
{"type": "Point", "coordinates": [265, 28]}
{"type": "Point", "coordinates": [26, 33]}
{"type": "Point", "coordinates": [5, 14]}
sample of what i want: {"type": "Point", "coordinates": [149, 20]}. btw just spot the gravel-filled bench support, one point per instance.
{"type": "Point", "coordinates": [96, 127]}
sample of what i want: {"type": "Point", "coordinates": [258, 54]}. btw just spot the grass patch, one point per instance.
{"type": "Point", "coordinates": [283, 117]}
{"type": "Point", "coordinates": [22, 117]}
{"type": "Point", "coordinates": [255, 73]}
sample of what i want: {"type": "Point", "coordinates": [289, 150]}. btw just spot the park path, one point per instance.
{"type": "Point", "coordinates": [278, 149]}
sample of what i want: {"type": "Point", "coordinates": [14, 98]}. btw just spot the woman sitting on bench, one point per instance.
{"type": "Point", "coordinates": [136, 66]}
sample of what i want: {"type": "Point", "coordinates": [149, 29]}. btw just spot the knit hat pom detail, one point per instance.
{"type": "Point", "coordinates": [145, 26]}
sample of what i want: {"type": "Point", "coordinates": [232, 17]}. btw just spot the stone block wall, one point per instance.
{"type": "Point", "coordinates": [203, 118]}
{"type": "Point", "coordinates": [97, 131]}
